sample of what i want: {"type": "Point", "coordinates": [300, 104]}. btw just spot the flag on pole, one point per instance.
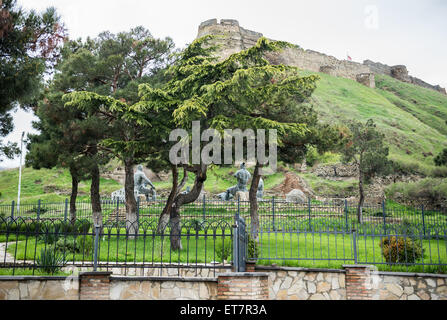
{"type": "Point", "coordinates": [349, 58]}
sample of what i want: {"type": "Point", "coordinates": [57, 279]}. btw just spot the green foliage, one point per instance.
{"type": "Point", "coordinates": [224, 249]}
{"type": "Point", "coordinates": [29, 43]}
{"type": "Point", "coordinates": [400, 250]}
{"type": "Point", "coordinates": [366, 148]}
{"type": "Point", "coordinates": [441, 159]}
{"type": "Point", "coordinates": [50, 260]}
{"type": "Point", "coordinates": [252, 248]}
{"type": "Point", "coordinates": [431, 189]}
{"type": "Point", "coordinates": [311, 156]}
{"type": "Point", "coordinates": [78, 244]}
{"type": "Point", "coordinates": [50, 235]}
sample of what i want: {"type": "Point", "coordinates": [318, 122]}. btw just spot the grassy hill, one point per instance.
{"type": "Point", "coordinates": [412, 118]}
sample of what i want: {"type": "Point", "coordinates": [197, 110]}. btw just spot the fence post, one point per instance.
{"type": "Point", "coordinates": [273, 211]}
{"type": "Point", "coordinates": [346, 215]}
{"type": "Point", "coordinates": [95, 255]}
{"type": "Point", "coordinates": [204, 207]}
{"type": "Point", "coordinates": [38, 209]}
{"type": "Point", "coordinates": [12, 210]}
{"type": "Point", "coordinates": [309, 209]}
{"type": "Point", "coordinates": [238, 206]}
{"type": "Point", "coordinates": [384, 216]}
{"type": "Point", "coordinates": [354, 246]}
{"type": "Point", "coordinates": [117, 211]}
{"type": "Point", "coordinates": [66, 210]}
{"type": "Point", "coordinates": [138, 211]}
{"type": "Point", "coordinates": [423, 219]}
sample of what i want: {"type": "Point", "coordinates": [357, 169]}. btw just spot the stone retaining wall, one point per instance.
{"type": "Point", "coordinates": [128, 288]}
{"type": "Point", "coordinates": [353, 283]}
{"type": "Point", "coordinates": [37, 288]}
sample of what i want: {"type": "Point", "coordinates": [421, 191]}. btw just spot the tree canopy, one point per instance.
{"type": "Point", "coordinates": [29, 46]}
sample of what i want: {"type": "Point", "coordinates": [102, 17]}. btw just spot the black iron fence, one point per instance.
{"type": "Point", "coordinates": [274, 214]}
{"type": "Point", "coordinates": [394, 251]}
{"type": "Point", "coordinates": [52, 246]}
{"type": "Point", "coordinates": [216, 235]}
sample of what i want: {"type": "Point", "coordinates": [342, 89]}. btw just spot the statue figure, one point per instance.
{"type": "Point", "coordinates": [260, 192]}
{"type": "Point", "coordinates": [188, 190]}
{"type": "Point", "coordinates": [140, 183]}
{"type": "Point", "coordinates": [242, 176]}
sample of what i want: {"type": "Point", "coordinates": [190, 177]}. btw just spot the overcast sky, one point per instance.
{"type": "Point", "coordinates": [409, 32]}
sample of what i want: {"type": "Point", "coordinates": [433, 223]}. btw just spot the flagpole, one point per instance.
{"type": "Point", "coordinates": [20, 172]}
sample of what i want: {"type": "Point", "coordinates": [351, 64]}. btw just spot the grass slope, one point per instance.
{"type": "Point", "coordinates": [412, 118]}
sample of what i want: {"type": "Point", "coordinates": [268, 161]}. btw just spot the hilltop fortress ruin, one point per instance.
{"type": "Point", "coordinates": [237, 38]}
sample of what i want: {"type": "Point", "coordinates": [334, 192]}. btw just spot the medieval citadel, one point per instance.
{"type": "Point", "coordinates": [235, 38]}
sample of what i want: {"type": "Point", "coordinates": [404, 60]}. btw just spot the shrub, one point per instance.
{"type": "Point", "coordinates": [253, 248]}
{"type": "Point", "coordinates": [224, 249]}
{"type": "Point", "coordinates": [50, 261]}
{"type": "Point", "coordinates": [78, 227]}
{"type": "Point", "coordinates": [51, 234]}
{"type": "Point", "coordinates": [311, 156]}
{"type": "Point", "coordinates": [196, 224]}
{"type": "Point", "coordinates": [79, 244]}
{"type": "Point", "coordinates": [400, 250]}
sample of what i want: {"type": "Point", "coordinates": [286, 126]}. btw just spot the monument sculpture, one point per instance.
{"type": "Point", "coordinates": [140, 183]}
{"type": "Point", "coordinates": [140, 187]}
{"type": "Point", "coordinates": [242, 176]}
{"type": "Point", "coordinates": [260, 193]}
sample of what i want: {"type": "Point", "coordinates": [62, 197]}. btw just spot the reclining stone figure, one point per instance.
{"type": "Point", "coordinates": [242, 176]}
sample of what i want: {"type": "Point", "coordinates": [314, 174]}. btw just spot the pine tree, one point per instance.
{"type": "Point", "coordinates": [29, 45]}
{"type": "Point", "coordinates": [119, 64]}
{"type": "Point", "coordinates": [366, 149]}
{"type": "Point", "coordinates": [243, 91]}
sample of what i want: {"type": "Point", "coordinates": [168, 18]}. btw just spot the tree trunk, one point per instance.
{"type": "Point", "coordinates": [74, 195]}
{"type": "Point", "coordinates": [254, 204]}
{"type": "Point", "coordinates": [131, 203]}
{"type": "Point", "coordinates": [361, 199]}
{"type": "Point", "coordinates": [95, 197]}
{"type": "Point", "coordinates": [175, 190]}
{"type": "Point", "coordinates": [181, 199]}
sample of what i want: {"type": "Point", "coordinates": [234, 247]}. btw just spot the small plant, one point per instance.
{"type": "Point", "coordinates": [196, 224]}
{"type": "Point", "coordinates": [224, 250]}
{"type": "Point", "coordinates": [401, 250]}
{"type": "Point", "coordinates": [50, 261]}
{"type": "Point", "coordinates": [50, 235]}
{"type": "Point", "coordinates": [253, 248]}
{"type": "Point", "coordinates": [79, 244]}
{"type": "Point", "coordinates": [37, 210]}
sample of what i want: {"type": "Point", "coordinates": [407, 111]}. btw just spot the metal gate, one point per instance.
{"type": "Point", "coordinates": [239, 244]}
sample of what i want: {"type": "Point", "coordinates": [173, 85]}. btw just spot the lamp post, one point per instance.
{"type": "Point", "coordinates": [20, 172]}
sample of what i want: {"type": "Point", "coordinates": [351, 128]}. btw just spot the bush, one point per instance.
{"type": "Point", "coordinates": [51, 234]}
{"type": "Point", "coordinates": [253, 248]}
{"type": "Point", "coordinates": [311, 156]}
{"type": "Point", "coordinates": [50, 261]}
{"type": "Point", "coordinates": [400, 250]}
{"type": "Point", "coordinates": [196, 224]}
{"type": "Point", "coordinates": [78, 227]}
{"type": "Point", "coordinates": [79, 244]}
{"type": "Point", "coordinates": [224, 250]}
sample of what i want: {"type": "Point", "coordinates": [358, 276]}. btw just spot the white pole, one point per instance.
{"type": "Point", "coordinates": [20, 173]}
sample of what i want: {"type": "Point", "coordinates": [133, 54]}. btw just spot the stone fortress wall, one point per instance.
{"type": "Point", "coordinates": [237, 38]}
